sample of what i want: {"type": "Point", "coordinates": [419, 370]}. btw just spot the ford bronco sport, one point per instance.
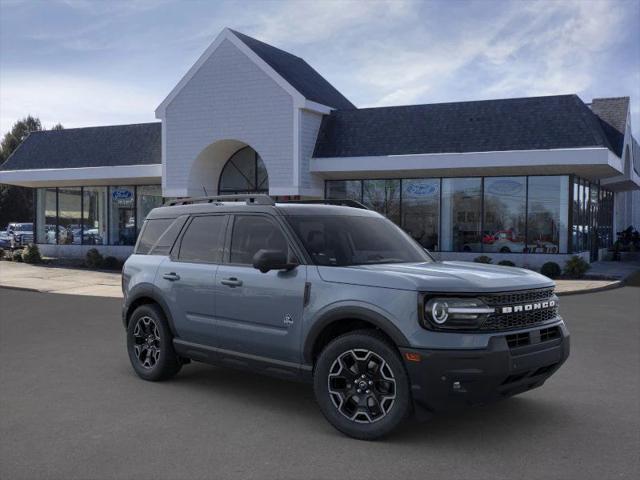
{"type": "Point", "coordinates": [338, 296]}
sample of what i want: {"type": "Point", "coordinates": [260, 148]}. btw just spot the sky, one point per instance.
{"type": "Point", "coordinates": [101, 62]}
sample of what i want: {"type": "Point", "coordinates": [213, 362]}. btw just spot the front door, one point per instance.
{"type": "Point", "coordinates": [258, 313]}
{"type": "Point", "coordinates": [187, 278]}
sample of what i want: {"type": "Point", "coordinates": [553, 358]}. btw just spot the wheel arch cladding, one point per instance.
{"type": "Point", "coordinates": [147, 298]}
{"type": "Point", "coordinates": [345, 319]}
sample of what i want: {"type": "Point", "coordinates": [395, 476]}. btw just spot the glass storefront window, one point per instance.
{"type": "Point", "coordinates": [46, 215]}
{"type": "Point", "coordinates": [94, 214]}
{"type": "Point", "coordinates": [383, 196]}
{"type": "Point", "coordinates": [344, 189]}
{"type": "Point", "coordinates": [461, 214]}
{"type": "Point", "coordinates": [122, 224]}
{"type": "Point", "coordinates": [548, 214]}
{"type": "Point", "coordinates": [69, 216]}
{"type": "Point", "coordinates": [421, 210]}
{"type": "Point", "coordinates": [148, 198]}
{"type": "Point", "coordinates": [504, 215]}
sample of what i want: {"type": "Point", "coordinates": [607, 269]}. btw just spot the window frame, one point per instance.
{"type": "Point", "coordinates": [174, 254]}
{"type": "Point", "coordinates": [292, 243]}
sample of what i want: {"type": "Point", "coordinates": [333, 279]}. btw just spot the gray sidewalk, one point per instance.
{"type": "Point", "coordinates": [77, 281]}
{"type": "Point", "coordinates": [70, 281]}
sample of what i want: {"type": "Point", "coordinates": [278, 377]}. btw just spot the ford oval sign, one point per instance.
{"type": "Point", "coordinates": [121, 194]}
{"type": "Point", "coordinates": [422, 189]}
{"type": "Point", "coordinates": [505, 187]}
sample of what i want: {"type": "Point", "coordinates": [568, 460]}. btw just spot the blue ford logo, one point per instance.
{"type": "Point", "coordinates": [121, 194]}
{"type": "Point", "coordinates": [422, 189]}
{"type": "Point", "coordinates": [505, 187]}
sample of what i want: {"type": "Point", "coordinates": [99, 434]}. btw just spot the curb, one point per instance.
{"type": "Point", "coordinates": [613, 286]}
{"type": "Point", "coordinates": [24, 289]}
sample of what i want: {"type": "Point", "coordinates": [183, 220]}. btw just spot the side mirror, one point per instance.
{"type": "Point", "coordinates": [265, 260]}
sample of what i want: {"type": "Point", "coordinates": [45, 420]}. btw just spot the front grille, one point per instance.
{"type": "Point", "coordinates": [507, 321]}
{"type": "Point", "coordinates": [514, 298]}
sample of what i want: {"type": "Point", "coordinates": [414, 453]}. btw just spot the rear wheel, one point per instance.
{"type": "Point", "coordinates": [150, 344]}
{"type": "Point", "coordinates": [361, 385]}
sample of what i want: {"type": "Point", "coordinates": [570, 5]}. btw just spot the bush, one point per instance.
{"type": "Point", "coordinates": [31, 254]}
{"type": "Point", "coordinates": [506, 263]}
{"type": "Point", "coordinates": [94, 258]}
{"type": "Point", "coordinates": [482, 259]}
{"type": "Point", "coordinates": [1, 253]}
{"type": "Point", "coordinates": [551, 270]}
{"type": "Point", "coordinates": [16, 256]}
{"type": "Point", "coordinates": [576, 267]}
{"type": "Point", "coordinates": [111, 263]}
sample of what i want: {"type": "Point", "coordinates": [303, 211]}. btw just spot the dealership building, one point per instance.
{"type": "Point", "coordinates": [526, 179]}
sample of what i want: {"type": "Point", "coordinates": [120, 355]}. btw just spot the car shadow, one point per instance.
{"type": "Point", "coordinates": [469, 426]}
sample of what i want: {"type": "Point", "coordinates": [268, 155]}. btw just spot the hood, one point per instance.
{"type": "Point", "coordinates": [443, 277]}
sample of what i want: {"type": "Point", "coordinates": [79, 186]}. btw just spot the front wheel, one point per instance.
{"type": "Point", "coordinates": [150, 344]}
{"type": "Point", "coordinates": [361, 385]}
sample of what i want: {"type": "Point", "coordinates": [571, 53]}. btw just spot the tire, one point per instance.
{"type": "Point", "coordinates": [385, 400]}
{"type": "Point", "coordinates": [150, 344]}
{"type": "Point", "coordinates": [505, 250]}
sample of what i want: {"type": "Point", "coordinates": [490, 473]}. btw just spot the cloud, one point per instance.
{"type": "Point", "coordinates": [533, 48]}
{"type": "Point", "coordinates": [295, 22]}
{"type": "Point", "coordinates": [72, 100]}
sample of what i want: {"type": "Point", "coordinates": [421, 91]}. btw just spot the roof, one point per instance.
{"type": "Point", "coordinates": [108, 146]}
{"type": "Point", "coordinates": [298, 73]}
{"type": "Point", "coordinates": [612, 113]}
{"type": "Point", "coordinates": [533, 123]}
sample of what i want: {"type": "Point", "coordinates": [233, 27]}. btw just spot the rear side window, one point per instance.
{"type": "Point", "coordinates": [203, 240]}
{"type": "Point", "coordinates": [152, 231]}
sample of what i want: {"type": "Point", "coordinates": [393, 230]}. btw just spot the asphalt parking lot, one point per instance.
{"type": "Point", "coordinates": [71, 407]}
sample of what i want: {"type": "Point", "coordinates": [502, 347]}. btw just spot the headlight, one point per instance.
{"type": "Point", "coordinates": [459, 313]}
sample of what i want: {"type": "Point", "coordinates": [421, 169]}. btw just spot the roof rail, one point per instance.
{"type": "Point", "coordinates": [258, 199]}
{"type": "Point", "coordinates": [345, 202]}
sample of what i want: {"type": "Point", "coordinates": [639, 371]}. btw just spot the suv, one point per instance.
{"type": "Point", "coordinates": [19, 234]}
{"type": "Point", "coordinates": [338, 296]}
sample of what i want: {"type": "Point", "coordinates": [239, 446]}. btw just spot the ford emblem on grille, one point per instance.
{"type": "Point", "coordinates": [528, 307]}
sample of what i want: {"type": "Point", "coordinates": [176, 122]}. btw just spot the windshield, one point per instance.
{"type": "Point", "coordinates": [22, 227]}
{"type": "Point", "coordinates": [342, 240]}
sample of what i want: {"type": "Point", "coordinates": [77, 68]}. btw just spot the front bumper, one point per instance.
{"type": "Point", "coordinates": [514, 362]}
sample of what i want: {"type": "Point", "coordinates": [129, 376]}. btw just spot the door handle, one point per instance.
{"type": "Point", "coordinates": [172, 277]}
{"type": "Point", "coordinates": [231, 282]}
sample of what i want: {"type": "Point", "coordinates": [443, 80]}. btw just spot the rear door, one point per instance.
{"type": "Point", "coordinates": [259, 314]}
{"type": "Point", "coordinates": [187, 277]}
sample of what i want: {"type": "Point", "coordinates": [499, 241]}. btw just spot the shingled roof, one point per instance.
{"type": "Point", "coordinates": [108, 146]}
{"type": "Point", "coordinates": [612, 113]}
{"type": "Point", "coordinates": [533, 123]}
{"type": "Point", "coordinates": [298, 73]}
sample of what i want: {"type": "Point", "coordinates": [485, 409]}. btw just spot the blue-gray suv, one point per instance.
{"type": "Point", "coordinates": [338, 296]}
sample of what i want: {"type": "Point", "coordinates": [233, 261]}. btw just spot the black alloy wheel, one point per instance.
{"type": "Point", "coordinates": [361, 385]}
{"type": "Point", "coordinates": [150, 344]}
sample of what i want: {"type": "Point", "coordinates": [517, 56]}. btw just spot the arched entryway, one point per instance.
{"type": "Point", "coordinates": [244, 172]}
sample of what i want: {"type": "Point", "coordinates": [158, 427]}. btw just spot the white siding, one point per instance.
{"type": "Point", "coordinates": [229, 98]}
{"type": "Point", "coordinates": [310, 184]}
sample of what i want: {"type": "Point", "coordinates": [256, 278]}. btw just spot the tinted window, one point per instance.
{"type": "Point", "coordinates": [151, 232]}
{"type": "Point", "coordinates": [460, 215]}
{"type": "Point", "coordinates": [253, 233]}
{"type": "Point", "coordinates": [202, 242]}
{"type": "Point", "coordinates": [504, 215]}
{"type": "Point", "coordinates": [344, 240]}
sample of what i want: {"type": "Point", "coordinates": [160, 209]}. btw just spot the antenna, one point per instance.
{"type": "Point", "coordinates": [205, 191]}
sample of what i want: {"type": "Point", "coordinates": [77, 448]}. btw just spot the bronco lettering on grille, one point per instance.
{"type": "Point", "coordinates": [527, 307]}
